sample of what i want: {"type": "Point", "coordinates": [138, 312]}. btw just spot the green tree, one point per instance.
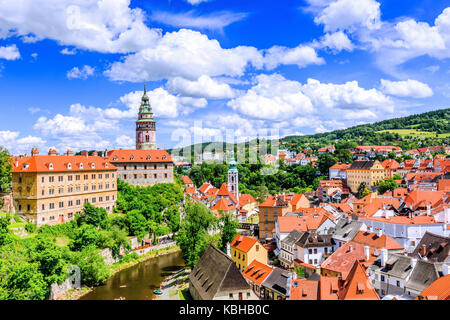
{"type": "Point", "coordinates": [324, 163]}
{"type": "Point", "coordinates": [137, 224]}
{"type": "Point", "coordinates": [97, 217]}
{"type": "Point", "coordinates": [193, 236]}
{"type": "Point", "coordinates": [5, 236]}
{"type": "Point", "coordinates": [86, 235]}
{"type": "Point", "coordinates": [228, 226]}
{"type": "Point", "coordinates": [25, 282]}
{"type": "Point", "coordinates": [397, 177]}
{"type": "Point", "coordinates": [361, 189]}
{"type": "Point", "coordinates": [5, 168]}
{"type": "Point", "coordinates": [92, 267]}
{"type": "Point", "coordinates": [385, 185]}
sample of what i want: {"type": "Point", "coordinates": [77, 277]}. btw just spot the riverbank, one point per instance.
{"type": "Point", "coordinates": [173, 286]}
{"type": "Point", "coordinates": [120, 266]}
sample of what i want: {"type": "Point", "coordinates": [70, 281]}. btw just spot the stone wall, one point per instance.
{"type": "Point", "coordinates": [154, 248]}
{"type": "Point", "coordinates": [73, 281]}
{"type": "Point", "coordinates": [108, 257]}
{"type": "Point", "coordinates": [7, 201]}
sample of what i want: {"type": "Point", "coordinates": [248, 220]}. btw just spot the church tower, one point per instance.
{"type": "Point", "coordinates": [145, 125]}
{"type": "Point", "coordinates": [233, 177]}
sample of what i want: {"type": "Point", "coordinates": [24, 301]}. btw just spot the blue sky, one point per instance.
{"type": "Point", "coordinates": [72, 72]}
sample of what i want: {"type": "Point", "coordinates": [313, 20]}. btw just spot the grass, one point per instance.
{"type": "Point", "coordinates": [62, 241]}
{"type": "Point", "coordinates": [416, 133]}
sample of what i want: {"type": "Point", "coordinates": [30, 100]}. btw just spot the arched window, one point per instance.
{"type": "Point", "coordinates": [50, 166]}
{"type": "Point", "coordinates": [81, 165]}
{"type": "Point", "coordinates": [93, 165]}
{"type": "Point", "coordinates": [149, 158]}
{"type": "Point", "coordinates": [69, 165]}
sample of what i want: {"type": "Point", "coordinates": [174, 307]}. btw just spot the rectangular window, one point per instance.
{"type": "Point", "coordinates": [51, 179]}
{"type": "Point", "coordinates": [94, 200]}
{"type": "Point", "coordinates": [61, 204]}
{"type": "Point", "coordinates": [60, 178]}
{"type": "Point", "coordinates": [70, 204]}
{"type": "Point", "coordinates": [78, 202]}
{"type": "Point", "coordinates": [43, 191]}
{"type": "Point", "coordinates": [86, 188]}
{"type": "Point", "coordinates": [77, 177]}
{"type": "Point", "coordinates": [94, 188]}
{"type": "Point", "coordinates": [86, 177]}
{"type": "Point", "coordinates": [61, 190]}
{"type": "Point", "coordinates": [100, 176]}
{"type": "Point", "coordinates": [100, 199]}
{"type": "Point", "coordinates": [135, 176]}
{"type": "Point", "coordinates": [52, 206]}
{"type": "Point", "coordinates": [42, 180]}
{"type": "Point", "coordinates": [93, 176]}
{"type": "Point", "coordinates": [382, 278]}
{"type": "Point", "coordinates": [43, 207]}
{"type": "Point", "coordinates": [51, 191]}
{"type": "Point", "coordinates": [69, 178]}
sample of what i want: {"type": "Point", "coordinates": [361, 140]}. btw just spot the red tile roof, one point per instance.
{"type": "Point", "coordinates": [287, 224]}
{"type": "Point", "coordinates": [187, 180]}
{"type": "Point", "coordinates": [304, 290]}
{"type": "Point", "coordinates": [390, 164]}
{"type": "Point", "coordinates": [243, 243]}
{"type": "Point", "coordinates": [329, 288]}
{"type": "Point", "coordinates": [340, 166]}
{"type": "Point", "coordinates": [139, 156]}
{"type": "Point", "coordinates": [61, 164]}
{"type": "Point", "coordinates": [190, 190]}
{"type": "Point", "coordinates": [204, 187]}
{"type": "Point", "coordinates": [373, 240]}
{"type": "Point", "coordinates": [438, 290]}
{"type": "Point", "coordinates": [343, 259]}
{"type": "Point", "coordinates": [421, 198]}
{"type": "Point", "coordinates": [257, 272]}
{"type": "Point", "coordinates": [357, 285]}
{"type": "Point", "coordinates": [223, 205]}
{"type": "Point", "coordinates": [405, 220]}
{"type": "Point", "coordinates": [246, 198]}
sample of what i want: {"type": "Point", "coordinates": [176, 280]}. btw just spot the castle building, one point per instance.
{"type": "Point", "coordinates": [145, 125]}
{"type": "Point", "coordinates": [50, 189]}
{"type": "Point", "coordinates": [142, 167]}
{"type": "Point", "coordinates": [368, 172]}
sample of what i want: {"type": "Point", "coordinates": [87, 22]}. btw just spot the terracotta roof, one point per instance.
{"type": "Point", "coordinates": [246, 198]}
{"type": "Point", "coordinates": [438, 290]}
{"type": "Point", "coordinates": [204, 187]}
{"type": "Point", "coordinates": [187, 180]}
{"type": "Point", "coordinates": [373, 240]}
{"type": "Point", "coordinates": [296, 198]}
{"type": "Point", "coordinates": [190, 190]}
{"type": "Point", "coordinates": [405, 220]}
{"type": "Point", "coordinates": [257, 272]}
{"type": "Point", "coordinates": [420, 198]}
{"type": "Point", "coordinates": [44, 163]}
{"type": "Point", "coordinates": [340, 166]}
{"type": "Point", "coordinates": [139, 156]}
{"type": "Point", "coordinates": [243, 243]}
{"type": "Point", "coordinates": [223, 205]}
{"type": "Point", "coordinates": [390, 164]}
{"type": "Point", "coordinates": [444, 185]}
{"type": "Point", "coordinates": [223, 191]}
{"type": "Point", "coordinates": [287, 224]}
{"type": "Point", "coordinates": [211, 192]}
{"type": "Point", "coordinates": [343, 259]}
{"type": "Point", "coordinates": [304, 290]}
{"type": "Point", "coordinates": [329, 288]}
{"type": "Point", "coordinates": [375, 204]}
{"type": "Point", "coordinates": [357, 285]}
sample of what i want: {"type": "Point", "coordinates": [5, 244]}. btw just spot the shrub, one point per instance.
{"type": "Point", "coordinates": [30, 227]}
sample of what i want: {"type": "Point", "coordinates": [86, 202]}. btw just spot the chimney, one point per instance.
{"type": "Point", "coordinates": [428, 209]}
{"type": "Point", "coordinates": [34, 152]}
{"type": "Point", "coordinates": [95, 153]}
{"type": "Point", "coordinates": [423, 252]}
{"type": "Point", "coordinates": [445, 268]}
{"type": "Point", "coordinates": [384, 255]}
{"type": "Point", "coordinates": [367, 252]}
{"type": "Point", "coordinates": [69, 152]}
{"type": "Point", "coordinates": [369, 229]}
{"type": "Point", "coordinates": [413, 263]}
{"type": "Point", "coordinates": [228, 250]}
{"type": "Point", "coordinates": [52, 152]}
{"type": "Point", "coordinates": [379, 232]}
{"type": "Point", "coordinates": [84, 153]}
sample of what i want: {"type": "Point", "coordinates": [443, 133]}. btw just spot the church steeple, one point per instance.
{"type": "Point", "coordinates": [233, 177]}
{"type": "Point", "coordinates": [145, 125]}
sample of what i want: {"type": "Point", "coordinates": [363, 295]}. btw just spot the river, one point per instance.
{"type": "Point", "coordinates": [138, 281]}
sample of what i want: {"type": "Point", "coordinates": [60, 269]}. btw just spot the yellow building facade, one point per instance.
{"type": "Point", "coordinates": [244, 250]}
{"type": "Point", "coordinates": [369, 172]}
{"type": "Point", "coordinates": [51, 189]}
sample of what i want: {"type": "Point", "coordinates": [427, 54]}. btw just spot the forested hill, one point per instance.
{"type": "Point", "coordinates": [425, 129]}
{"type": "Point", "coordinates": [419, 130]}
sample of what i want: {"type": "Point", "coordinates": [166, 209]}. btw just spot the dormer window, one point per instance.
{"type": "Point", "coordinates": [92, 165]}
{"type": "Point", "coordinates": [25, 166]}
{"type": "Point", "coordinates": [50, 166]}
{"type": "Point", "coordinates": [164, 157]}
{"type": "Point", "coordinates": [69, 166]}
{"type": "Point", "coordinates": [149, 158]}
{"type": "Point", "coordinates": [106, 164]}
{"type": "Point", "coordinates": [115, 158]}
{"type": "Point", "coordinates": [132, 158]}
{"type": "Point", "coordinates": [81, 165]}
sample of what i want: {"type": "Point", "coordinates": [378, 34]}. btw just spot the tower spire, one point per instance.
{"type": "Point", "coordinates": [145, 88]}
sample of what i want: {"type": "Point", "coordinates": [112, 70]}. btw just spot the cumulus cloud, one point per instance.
{"type": "Point", "coordinates": [409, 88]}
{"type": "Point", "coordinates": [83, 73]}
{"type": "Point", "coordinates": [203, 87]}
{"type": "Point", "coordinates": [10, 141]}
{"type": "Point", "coordinates": [100, 25]}
{"type": "Point", "coordinates": [273, 97]}
{"type": "Point", "coordinates": [68, 51]}
{"type": "Point", "coordinates": [185, 53]}
{"type": "Point", "coordinates": [10, 52]}
{"type": "Point", "coordinates": [301, 56]}
{"type": "Point", "coordinates": [336, 42]}
{"type": "Point", "coordinates": [195, 2]}
{"type": "Point", "coordinates": [125, 142]}
{"type": "Point", "coordinates": [191, 19]}
{"type": "Point", "coordinates": [346, 15]}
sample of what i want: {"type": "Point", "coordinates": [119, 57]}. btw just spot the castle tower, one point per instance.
{"type": "Point", "coordinates": [145, 125]}
{"type": "Point", "coordinates": [233, 177]}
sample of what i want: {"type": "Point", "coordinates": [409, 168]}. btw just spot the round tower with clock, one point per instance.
{"type": "Point", "coordinates": [145, 125]}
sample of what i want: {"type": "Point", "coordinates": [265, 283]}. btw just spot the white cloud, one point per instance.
{"type": "Point", "coordinates": [191, 19]}
{"type": "Point", "coordinates": [100, 25]}
{"type": "Point", "coordinates": [301, 56]}
{"type": "Point", "coordinates": [433, 68]}
{"type": "Point", "coordinates": [68, 51]}
{"type": "Point", "coordinates": [195, 2]}
{"type": "Point", "coordinates": [170, 56]}
{"type": "Point", "coordinates": [345, 96]}
{"type": "Point", "coordinates": [7, 138]}
{"type": "Point", "coordinates": [125, 142]}
{"type": "Point", "coordinates": [34, 55]}
{"type": "Point", "coordinates": [31, 141]}
{"type": "Point", "coordinates": [164, 104]}
{"type": "Point", "coordinates": [10, 52]}
{"type": "Point", "coordinates": [176, 123]}
{"type": "Point", "coordinates": [347, 15]}
{"type": "Point", "coordinates": [203, 87]}
{"type": "Point", "coordinates": [408, 88]}
{"type": "Point", "coordinates": [273, 97]}
{"type": "Point", "coordinates": [83, 73]}
{"type": "Point", "coordinates": [336, 41]}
